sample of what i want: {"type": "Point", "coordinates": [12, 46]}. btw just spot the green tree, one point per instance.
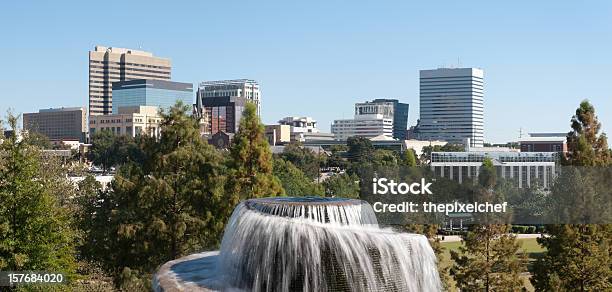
{"type": "Point", "coordinates": [578, 256]}
{"type": "Point", "coordinates": [35, 231]}
{"type": "Point", "coordinates": [295, 183]}
{"type": "Point", "coordinates": [171, 205]}
{"type": "Point", "coordinates": [410, 158]}
{"type": "Point", "coordinates": [489, 259]}
{"type": "Point", "coordinates": [251, 161]}
{"type": "Point", "coordinates": [304, 159]}
{"type": "Point", "coordinates": [586, 146]}
{"type": "Point", "coordinates": [360, 149]}
{"type": "Point", "coordinates": [108, 150]}
{"type": "Point", "coordinates": [426, 155]}
{"type": "Point", "coordinates": [342, 185]}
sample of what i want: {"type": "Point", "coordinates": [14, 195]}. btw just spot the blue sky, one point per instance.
{"type": "Point", "coordinates": [318, 58]}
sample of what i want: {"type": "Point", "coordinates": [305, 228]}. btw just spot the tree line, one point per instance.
{"type": "Point", "coordinates": [172, 196]}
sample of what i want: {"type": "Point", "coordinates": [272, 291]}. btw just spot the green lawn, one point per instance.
{"type": "Point", "coordinates": [528, 245]}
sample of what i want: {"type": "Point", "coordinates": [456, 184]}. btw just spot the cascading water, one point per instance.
{"type": "Point", "coordinates": [314, 244]}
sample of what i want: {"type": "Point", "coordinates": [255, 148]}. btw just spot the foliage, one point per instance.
{"type": "Point", "coordinates": [304, 159]}
{"type": "Point", "coordinates": [426, 155]}
{"type": "Point", "coordinates": [578, 256]}
{"type": "Point", "coordinates": [489, 260]}
{"type": "Point", "coordinates": [157, 211]}
{"type": "Point", "coordinates": [586, 146]}
{"type": "Point", "coordinates": [294, 181]}
{"type": "Point", "coordinates": [108, 150]}
{"type": "Point", "coordinates": [360, 149]}
{"type": "Point", "coordinates": [342, 185]}
{"type": "Point", "coordinates": [577, 259]}
{"type": "Point", "coordinates": [251, 161]}
{"type": "Point", "coordinates": [410, 158]}
{"type": "Point", "coordinates": [35, 231]}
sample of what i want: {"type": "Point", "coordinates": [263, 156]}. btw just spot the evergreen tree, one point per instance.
{"type": "Point", "coordinates": [304, 159]}
{"type": "Point", "coordinates": [360, 149]}
{"type": "Point", "coordinates": [35, 233]}
{"type": "Point", "coordinates": [251, 161]}
{"type": "Point", "coordinates": [171, 205]}
{"type": "Point", "coordinates": [578, 256]}
{"type": "Point", "coordinates": [295, 183]}
{"type": "Point", "coordinates": [342, 185]}
{"type": "Point", "coordinates": [489, 259]}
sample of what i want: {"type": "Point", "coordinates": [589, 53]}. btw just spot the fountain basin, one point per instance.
{"type": "Point", "coordinates": [306, 244]}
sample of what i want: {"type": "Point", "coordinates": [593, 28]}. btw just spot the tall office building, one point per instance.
{"type": "Point", "coordinates": [452, 105]}
{"type": "Point", "coordinates": [241, 88]}
{"type": "Point", "coordinates": [58, 124]}
{"type": "Point", "coordinates": [370, 120]}
{"type": "Point", "coordinates": [108, 65]}
{"type": "Point", "coordinates": [221, 114]}
{"type": "Point", "coordinates": [148, 92]}
{"type": "Point", "coordinates": [391, 109]}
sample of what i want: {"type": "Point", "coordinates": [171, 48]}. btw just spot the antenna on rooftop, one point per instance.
{"type": "Point", "coordinates": [520, 132]}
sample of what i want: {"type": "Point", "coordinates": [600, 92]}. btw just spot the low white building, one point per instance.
{"type": "Point", "coordinates": [131, 121]}
{"type": "Point", "coordinates": [525, 168]}
{"type": "Point", "coordinates": [363, 125]}
{"type": "Point", "coordinates": [304, 129]}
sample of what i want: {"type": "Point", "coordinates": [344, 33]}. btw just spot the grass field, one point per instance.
{"type": "Point", "coordinates": [528, 245]}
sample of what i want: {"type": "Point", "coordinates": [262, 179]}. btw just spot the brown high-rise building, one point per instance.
{"type": "Point", "coordinates": [108, 65]}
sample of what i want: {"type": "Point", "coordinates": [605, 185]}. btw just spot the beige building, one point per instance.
{"type": "Point", "coordinates": [108, 65]}
{"type": "Point", "coordinates": [278, 134]}
{"type": "Point", "coordinates": [58, 124]}
{"type": "Point", "coordinates": [131, 121]}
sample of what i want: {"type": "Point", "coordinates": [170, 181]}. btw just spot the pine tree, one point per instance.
{"type": "Point", "coordinates": [35, 233]}
{"type": "Point", "coordinates": [578, 256]}
{"type": "Point", "coordinates": [251, 161]}
{"type": "Point", "coordinates": [489, 259]}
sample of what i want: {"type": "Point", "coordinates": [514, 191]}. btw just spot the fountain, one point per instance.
{"type": "Point", "coordinates": [306, 244]}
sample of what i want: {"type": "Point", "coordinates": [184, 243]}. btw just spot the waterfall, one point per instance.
{"type": "Point", "coordinates": [321, 244]}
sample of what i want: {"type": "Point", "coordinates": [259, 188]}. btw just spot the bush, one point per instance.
{"type": "Point", "coordinates": [531, 229]}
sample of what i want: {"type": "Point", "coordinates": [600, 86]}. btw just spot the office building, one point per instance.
{"type": "Point", "coordinates": [108, 65]}
{"type": "Point", "coordinates": [221, 113]}
{"type": "Point", "coordinates": [452, 105]}
{"type": "Point", "coordinates": [150, 92]}
{"type": "Point", "coordinates": [58, 124]}
{"type": "Point", "coordinates": [131, 121]}
{"type": "Point", "coordinates": [278, 134]}
{"type": "Point", "coordinates": [304, 129]}
{"type": "Point", "coordinates": [544, 142]}
{"type": "Point", "coordinates": [370, 120]}
{"type": "Point", "coordinates": [524, 168]}
{"type": "Point", "coordinates": [240, 88]}
{"type": "Point", "coordinates": [389, 108]}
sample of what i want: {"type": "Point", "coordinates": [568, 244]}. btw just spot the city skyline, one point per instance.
{"type": "Point", "coordinates": [538, 68]}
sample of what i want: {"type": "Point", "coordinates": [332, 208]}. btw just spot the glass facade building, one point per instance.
{"type": "Point", "coordinates": [148, 92]}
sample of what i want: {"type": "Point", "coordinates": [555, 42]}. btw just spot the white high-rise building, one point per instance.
{"type": "Point", "coordinates": [371, 120]}
{"type": "Point", "coordinates": [452, 105]}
